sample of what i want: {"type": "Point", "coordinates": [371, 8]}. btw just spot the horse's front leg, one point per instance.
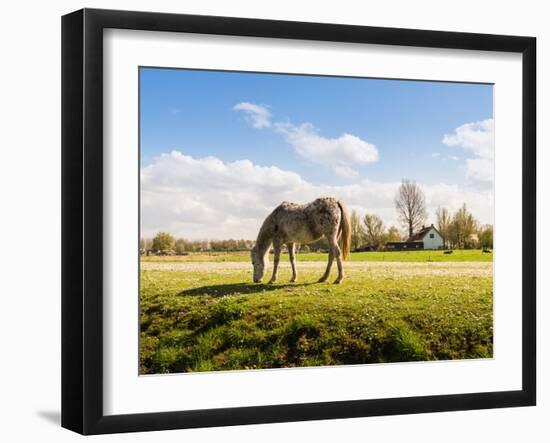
{"type": "Point", "coordinates": [292, 256]}
{"type": "Point", "coordinates": [277, 255]}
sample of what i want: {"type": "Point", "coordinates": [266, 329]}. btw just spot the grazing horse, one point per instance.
{"type": "Point", "coordinates": [290, 223]}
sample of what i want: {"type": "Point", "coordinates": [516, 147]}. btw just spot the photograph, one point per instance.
{"type": "Point", "coordinates": [281, 219]}
{"type": "Point", "coordinates": [293, 220]}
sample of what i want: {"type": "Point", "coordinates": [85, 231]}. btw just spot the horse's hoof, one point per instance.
{"type": "Point", "coordinates": [337, 281]}
{"type": "Point", "coordinates": [322, 280]}
{"type": "Point", "coordinates": [293, 280]}
{"type": "Point", "coordinates": [270, 282]}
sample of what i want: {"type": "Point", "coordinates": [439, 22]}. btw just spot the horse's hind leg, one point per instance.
{"type": "Point", "coordinates": [330, 261]}
{"type": "Point", "coordinates": [292, 256]}
{"type": "Point", "coordinates": [329, 265]}
{"type": "Point", "coordinates": [340, 266]}
{"type": "Point", "coordinates": [337, 253]}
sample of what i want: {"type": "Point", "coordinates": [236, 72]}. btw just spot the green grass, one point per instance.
{"type": "Point", "coordinates": [398, 256]}
{"type": "Point", "coordinates": [199, 320]}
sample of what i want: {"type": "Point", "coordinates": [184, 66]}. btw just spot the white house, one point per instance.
{"type": "Point", "coordinates": [429, 236]}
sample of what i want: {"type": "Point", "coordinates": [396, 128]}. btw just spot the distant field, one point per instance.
{"type": "Point", "coordinates": [469, 255]}
{"type": "Point", "coordinates": [203, 313]}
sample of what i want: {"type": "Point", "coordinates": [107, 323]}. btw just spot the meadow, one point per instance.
{"type": "Point", "coordinates": [383, 256]}
{"type": "Point", "coordinates": [202, 312]}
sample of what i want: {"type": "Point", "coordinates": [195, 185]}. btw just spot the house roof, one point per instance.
{"type": "Point", "coordinates": [419, 236]}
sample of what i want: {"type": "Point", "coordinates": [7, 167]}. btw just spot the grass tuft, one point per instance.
{"type": "Point", "coordinates": [225, 311]}
{"type": "Point", "coordinates": [403, 344]}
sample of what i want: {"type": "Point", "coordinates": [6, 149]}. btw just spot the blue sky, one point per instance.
{"type": "Point", "coordinates": [406, 120]}
{"type": "Point", "coordinates": [412, 129]}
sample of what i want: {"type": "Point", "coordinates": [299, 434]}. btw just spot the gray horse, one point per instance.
{"type": "Point", "coordinates": [290, 223]}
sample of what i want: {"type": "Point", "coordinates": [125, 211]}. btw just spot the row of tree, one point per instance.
{"type": "Point", "coordinates": [462, 230]}
{"type": "Point", "coordinates": [459, 230]}
{"type": "Point", "coordinates": [166, 244]}
{"type": "Point", "coordinates": [371, 232]}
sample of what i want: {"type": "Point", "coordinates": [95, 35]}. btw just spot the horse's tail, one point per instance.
{"type": "Point", "coordinates": [345, 230]}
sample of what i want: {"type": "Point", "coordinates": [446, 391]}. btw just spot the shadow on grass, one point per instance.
{"type": "Point", "coordinates": [239, 288]}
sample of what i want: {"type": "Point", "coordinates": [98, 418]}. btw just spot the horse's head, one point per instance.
{"type": "Point", "coordinates": [258, 262]}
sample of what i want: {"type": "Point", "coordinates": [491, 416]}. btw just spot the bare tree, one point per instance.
{"type": "Point", "coordinates": [146, 246]}
{"type": "Point", "coordinates": [411, 206]}
{"type": "Point", "coordinates": [374, 230]}
{"type": "Point", "coordinates": [357, 233]}
{"type": "Point", "coordinates": [443, 220]}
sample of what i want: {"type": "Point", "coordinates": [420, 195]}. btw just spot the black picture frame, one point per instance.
{"type": "Point", "coordinates": [82, 219]}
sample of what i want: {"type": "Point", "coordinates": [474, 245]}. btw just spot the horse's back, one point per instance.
{"type": "Point", "coordinates": [324, 204]}
{"type": "Point", "coordinates": [326, 210]}
{"type": "Point", "coordinates": [309, 222]}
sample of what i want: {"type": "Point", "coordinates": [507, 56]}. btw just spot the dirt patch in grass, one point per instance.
{"type": "Point", "coordinates": [481, 269]}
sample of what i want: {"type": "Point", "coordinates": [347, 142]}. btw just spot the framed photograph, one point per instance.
{"type": "Point", "coordinates": [268, 221]}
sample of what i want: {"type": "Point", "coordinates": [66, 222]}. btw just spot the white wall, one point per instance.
{"type": "Point", "coordinates": [432, 243]}
{"type": "Point", "coordinates": [30, 187]}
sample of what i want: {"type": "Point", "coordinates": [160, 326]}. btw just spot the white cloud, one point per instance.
{"type": "Point", "coordinates": [205, 198]}
{"type": "Point", "coordinates": [345, 171]}
{"type": "Point", "coordinates": [339, 153]}
{"type": "Point", "coordinates": [476, 138]}
{"type": "Point", "coordinates": [479, 171]}
{"type": "Point", "coordinates": [257, 115]}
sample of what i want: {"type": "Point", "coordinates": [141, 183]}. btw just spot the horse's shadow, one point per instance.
{"type": "Point", "coordinates": [238, 288]}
